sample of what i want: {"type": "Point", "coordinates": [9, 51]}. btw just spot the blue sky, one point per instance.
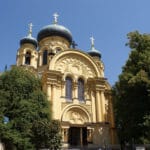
{"type": "Point", "coordinates": [108, 21]}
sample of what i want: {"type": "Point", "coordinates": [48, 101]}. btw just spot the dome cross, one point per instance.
{"type": "Point", "coordinates": [93, 51]}
{"type": "Point", "coordinates": [55, 15]}
{"type": "Point", "coordinates": [92, 40]}
{"type": "Point", "coordinates": [30, 29]}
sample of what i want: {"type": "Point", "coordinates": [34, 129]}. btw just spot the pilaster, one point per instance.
{"type": "Point", "coordinates": [93, 106]}
{"type": "Point", "coordinates": [49, 93]}
{"type": "Point", "coordinates": [75, 93]}
{"type": "Point", "coordinates": [23, 59]}
{"type": "Point", "coordinates": [98, 107]}
{"type": "Point", "coordinates": [102, 101]}
{"type": "Point", "coordinates": [40, 58]}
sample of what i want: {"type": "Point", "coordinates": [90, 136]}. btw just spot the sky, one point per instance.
{"type": "Point", "coordinates": [108, 21]}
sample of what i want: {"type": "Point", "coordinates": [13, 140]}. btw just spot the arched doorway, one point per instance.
{"type": "Point", "coordinates": [76, 119]}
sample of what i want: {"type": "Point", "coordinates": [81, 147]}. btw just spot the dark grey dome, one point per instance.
{"type": "Point", "coordinates": [93, 52]}
{"type": "Point", "coordinates": [54, 30]}
{"type": "Point", "coordinates": [28, 39]}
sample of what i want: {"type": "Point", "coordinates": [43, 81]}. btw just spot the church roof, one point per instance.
{"type": "Point", "coordinates": [93, 52]}
{"type": "Point", "coordinates": [29, 38]}
{"type": "Point", "coordinates": [55, 30]}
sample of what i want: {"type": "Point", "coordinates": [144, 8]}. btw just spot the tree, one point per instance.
{"type": "Point", "coordinates": [131, 92]}
{"type": "Point", "coordinates": [46, 134]}
{"type": "Point", "coordinates": [24, 103]}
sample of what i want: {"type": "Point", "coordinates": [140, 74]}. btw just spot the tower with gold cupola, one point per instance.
{"type": "Point", "coordinates": [74, 82]}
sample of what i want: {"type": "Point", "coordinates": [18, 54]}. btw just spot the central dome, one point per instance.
{"type": "Point", "coordinates": [54, 30]}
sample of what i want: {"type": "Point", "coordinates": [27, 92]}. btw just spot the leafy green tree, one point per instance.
{"type": "Point", "coordinates": [131, 92]}
{"type": "Point", "coordinates": [46, 134]}
{"type": "Point", "coordinates": [147, 129]}
{"type": "Point", "coordinates": [24, 103]}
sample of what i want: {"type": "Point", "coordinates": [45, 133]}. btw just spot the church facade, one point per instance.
{"type": "Point", "coordinates": [74, 82]}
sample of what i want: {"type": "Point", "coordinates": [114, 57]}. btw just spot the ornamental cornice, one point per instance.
{"type": "Point", "coordinates": [97, 81]}
{"type": "Point", "coordinates": [96, 84]}
{"type": "Point", "coordinates": [52, 77]}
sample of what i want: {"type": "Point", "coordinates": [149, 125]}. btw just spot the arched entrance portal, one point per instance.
{"type": "Point", "coordinates": [75, 120]}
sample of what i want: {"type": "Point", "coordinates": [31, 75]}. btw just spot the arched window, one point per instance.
{"type": "Point", "coordinates": [28, 58]}
{"type": "Point", "coordinates": [68, 88]}
{"type": "Point", "coordinates": [80, 89]}
{"type": "Point", "coordinates": [45, 57]}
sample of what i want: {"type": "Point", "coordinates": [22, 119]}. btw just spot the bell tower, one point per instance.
{"type": "Point", "coordinates": [27, 54]}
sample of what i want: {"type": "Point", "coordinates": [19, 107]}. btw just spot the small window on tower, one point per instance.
{"type": "Point", "coordinates": [45, 53]}
{"type": "Point", "coordinates": [28, 58]}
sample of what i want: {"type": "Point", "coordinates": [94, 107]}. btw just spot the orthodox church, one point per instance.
{"type": "Point", "coordinates": [74, 82]}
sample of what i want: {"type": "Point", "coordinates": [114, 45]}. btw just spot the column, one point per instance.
{"type": "Point", "coordinates": [63, 89]}
{"type": "Point", "coordinates": [102, 101]}
{"type": "Point", "coordinates": [98, 107]}
{"type": "Point", "coordinates": [93, 99]}
{"type": "Point", "coordinates": [23, 59]}
{"type": "Point", "coordinates": [86, 96]}
{"type": "Point", "coordinates": [89, 135]}
{"type": "Point", "coordinates": [62, 134]}
{"type": "Point", "coordinates": [54, 103]}
{"type": "Point", "coordinates": [31, 59]}
{"type": "Point", "coordinates": [40, 59]}
{"type": "Point", "coordinates": [75, 93]}
{"type": "Point", "coordinates": [66, 135]}
{"type": "Point", "coordinates": [49, 92]}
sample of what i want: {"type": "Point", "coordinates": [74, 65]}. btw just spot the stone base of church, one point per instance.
{"type": "Point", "coordinates": [101, 134]}
{"type": "Point", "coordinates": [87, 134]}
{"type": "Point", "coordinates": [89, 146]}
